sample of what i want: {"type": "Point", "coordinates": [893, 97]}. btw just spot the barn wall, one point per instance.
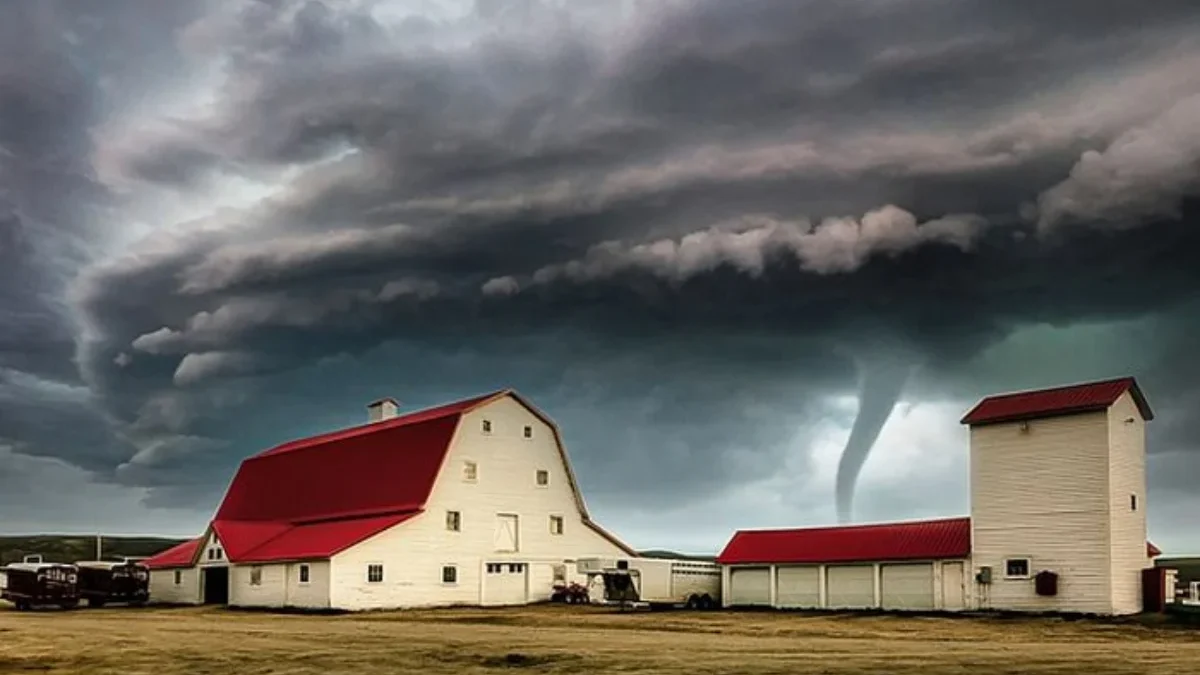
{"type": "Point", "coordinates": [280, 586]}
{"type": "Point", "coordinates": [1127, 478]}
{"type": "Point", "coordinates": [163, 588]}
{"type": "Point", "coordinates": [1043, 494]}
{"type": "Point", "coordinates": [414, 553]}
{"type": "Point", "coordinates": [315, 593]}
{"type": "Point", "coordinates": [272, 592]}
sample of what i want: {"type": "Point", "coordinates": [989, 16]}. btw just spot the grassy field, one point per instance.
{"type": "Point", "coordinates": [564, 639]}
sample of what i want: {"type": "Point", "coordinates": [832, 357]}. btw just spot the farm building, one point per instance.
{"type": "Point", "coordinates": [1057, 523]}
{"type": "Point", "coordinates": [469, 503]}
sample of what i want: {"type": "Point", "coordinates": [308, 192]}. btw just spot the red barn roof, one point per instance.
{"type": "Point", "coordinates": [180, 555]}
{"type": "Point", "coordinates": [918, 540]}
{"type": "Point", "coordinates": [1071, 399]}
{"type": "Point", "coordinates": [313, 497]}
{"type": "Point", "coordinates": [940, 539]}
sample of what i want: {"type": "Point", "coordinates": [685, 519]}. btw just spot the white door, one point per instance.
{"type": "Point", "coordinates": [506, 532]}
{"type": "Point", "coordinates": [953, 591]}
{"type": "Point", "coordinates": [504, 583]}
{"type": "Point", "coordinates": [750, 586]}
{"type": "Point", "coordinates": [850, 586]}
{"type": "Point", "coordinates": [798, 587]}
{"type": "Point", "coordinates": [908, 586]}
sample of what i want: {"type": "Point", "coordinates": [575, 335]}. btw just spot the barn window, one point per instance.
{"type": "Point", "coordinates": [494, 568]}
{"type": "Point", "coordinates": [178, 577]}
{"type": "Point", "coordinates": [470, 471]}
{"type": "Point", "coordinates": [543, 477]}
{"type": "Point", "coordinates": [516, 568]}
{"type": "Point", "coordinates": [1016, 568]}
{"type": "Point", "coordinates": [449, 574]}
{"type": "Point", "coordinates": [212, 553]}
{"type": "Point", "coordinates": [304, 574]}
{"type": "Point", "coordinates": [374, 573]}
{"type": "Point", "coordinates": [487, 426]}
{"type": "Point", "coordinates": [1133, 502]}
{"type": "Point", "coordinates": [256, 576]}
{"type": "Point", "coordinates": [218, 552]}
{"type": "Point", "coordinates": [453, 521]}
{"type": "Point", "coordinates": [556, 524]}
{"type": "Point", "coordinates": [528, 431]}
{"type": "Point", "coordinates": [560, 572]}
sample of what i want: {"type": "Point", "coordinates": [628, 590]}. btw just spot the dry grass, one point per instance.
{"type": "Point", "coordinates": [560, 639]}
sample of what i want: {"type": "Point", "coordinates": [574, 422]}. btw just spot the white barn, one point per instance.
{"type": "Point", "coordinates": [1057, 524]}
{"type": "Point", "coordinates": [469, 503]}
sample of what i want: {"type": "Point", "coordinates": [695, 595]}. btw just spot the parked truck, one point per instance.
{"type": "Point", "coordinates": [102, 582]}
{"type": "Point", "coordinates": [656, 582]}
{"type": "Point", "coordinates": [29, 584]}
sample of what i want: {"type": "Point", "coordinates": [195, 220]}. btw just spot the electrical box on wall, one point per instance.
{"type": "Point", "coordinates": [984, 575]}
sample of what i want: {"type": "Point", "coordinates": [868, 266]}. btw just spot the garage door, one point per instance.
{"type": "Point", "coordinates": [504, 583]}
{"type": "Point", "coordinates": [798, 587]}
{"type": "Point", "coordinates": [750, 586]}
{"type": "Point", "coordinates": [907, 586]}
{"type": "Point", "coordinates": [850, 586]}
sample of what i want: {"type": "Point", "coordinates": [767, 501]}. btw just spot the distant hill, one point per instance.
{"type": "Point", "coordinates": [659, 553]}
{"type": "Point", "coordinates": [72, 548]}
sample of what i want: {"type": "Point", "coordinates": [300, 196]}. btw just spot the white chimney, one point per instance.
{"type": "Point", "coordinates": [383, 409]}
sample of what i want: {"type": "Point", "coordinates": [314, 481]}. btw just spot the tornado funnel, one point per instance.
{"type": "Point", "coordinates": [881, 381]}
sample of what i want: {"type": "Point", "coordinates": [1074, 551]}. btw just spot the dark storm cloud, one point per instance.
{"type": "Point", "coordinates": [680, 230]}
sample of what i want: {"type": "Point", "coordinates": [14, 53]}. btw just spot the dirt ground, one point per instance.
{"type": "Point", "coordinates": [570, 639]}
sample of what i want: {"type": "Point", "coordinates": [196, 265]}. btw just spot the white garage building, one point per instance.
{"type": "Point", "coordinates": [1057, 522]}
{"type": "Point", "coordinates": [470, 503]}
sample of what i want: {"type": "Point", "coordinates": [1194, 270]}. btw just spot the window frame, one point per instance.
{"type": "Point", "coordinates": [372, 567]}
{"type": "Point", "coordinates": [1018, 558]}
{"type": "Point", "coordinates": [303, 573]}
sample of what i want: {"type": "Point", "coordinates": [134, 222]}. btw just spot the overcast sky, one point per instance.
{"type": "Point", "coordinates": [687, 229]}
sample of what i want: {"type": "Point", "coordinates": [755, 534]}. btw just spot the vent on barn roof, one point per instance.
{"type": "Point", "coordinates": [383, 409]}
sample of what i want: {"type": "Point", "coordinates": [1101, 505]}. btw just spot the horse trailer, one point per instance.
{"type": "Point", "coordinates": [657, 582]}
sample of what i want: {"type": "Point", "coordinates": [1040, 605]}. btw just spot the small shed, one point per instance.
{"type": "Point", "coordinates": [915, 566]}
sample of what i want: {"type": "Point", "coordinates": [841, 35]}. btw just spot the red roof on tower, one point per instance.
{"type": "Point", "coordinates": [1077, 398]}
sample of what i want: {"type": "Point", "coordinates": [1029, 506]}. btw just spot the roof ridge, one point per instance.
{"type": "Point", "coordinates": [452, 408]}
{"type": "Point", "coordinates": [858, 526]}
{"type": "Point", "coordinates": [1060, 387]}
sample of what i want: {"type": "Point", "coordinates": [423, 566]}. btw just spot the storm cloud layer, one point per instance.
{"type": "Point", "coordinates": [689, 230]}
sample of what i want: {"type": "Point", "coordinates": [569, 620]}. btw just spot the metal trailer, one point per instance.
{"type": "Point", "coordinates": [29, 584]}
{"type": "Point", "coordinates": [105, 581]}
{"type": "Point", "coordinates": [657, 582]}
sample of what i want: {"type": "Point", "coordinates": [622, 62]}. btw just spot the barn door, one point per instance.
{"type": "Point", "coordinates": [506, 532]}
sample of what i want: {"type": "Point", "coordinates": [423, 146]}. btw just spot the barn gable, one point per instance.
{"type": "Point", "coordinates": [569, 471]}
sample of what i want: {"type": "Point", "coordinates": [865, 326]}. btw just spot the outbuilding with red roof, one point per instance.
{"type": "Point", "coordinates": [1057, 523]}
{"type": "Point", "coordinates": [469, 503]}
